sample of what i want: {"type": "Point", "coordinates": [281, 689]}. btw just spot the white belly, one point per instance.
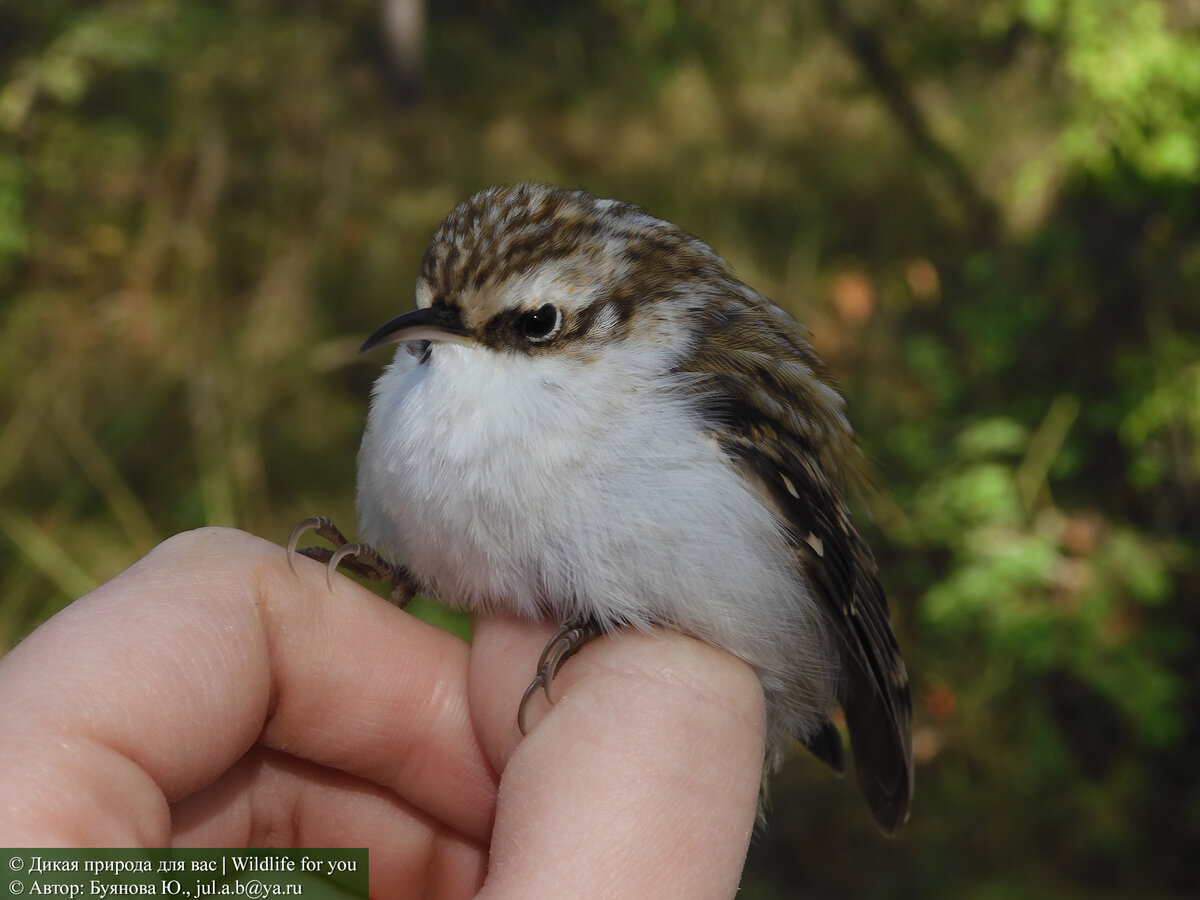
{"type": "Point", "coordinates": [531, 484]}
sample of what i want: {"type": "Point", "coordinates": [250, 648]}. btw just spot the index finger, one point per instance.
{"type": "Point", "coordinates": [148, 688]}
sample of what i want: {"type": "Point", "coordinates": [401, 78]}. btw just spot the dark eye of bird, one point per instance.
{"type": "Point", "coordinates": [541, 324]}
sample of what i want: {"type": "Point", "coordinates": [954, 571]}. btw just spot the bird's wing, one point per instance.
{"type": "Point", "coordinates": [776, 413]}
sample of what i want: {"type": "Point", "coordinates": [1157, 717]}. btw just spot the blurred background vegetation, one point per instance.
{"type": "Point", "coordinates": [988, 214]}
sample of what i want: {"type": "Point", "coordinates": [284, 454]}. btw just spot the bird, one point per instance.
{"type": "Point", "coordinates": [589, 418]}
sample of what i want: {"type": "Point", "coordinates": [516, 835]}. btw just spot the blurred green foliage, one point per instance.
{"type": "Point", "coordinates": [988, 214]}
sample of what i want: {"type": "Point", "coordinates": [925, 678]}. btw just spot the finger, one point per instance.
{"type": "Point", "coordinates": [148, 688]}
{"type": "Point", "coordinates": [267, 795]}
{"type": "Point", "coordinates": [642, 781]}
{"type": "Point", "coordinates": [387, 700]}
{"type": "Point", "coordinates": [504, 662]}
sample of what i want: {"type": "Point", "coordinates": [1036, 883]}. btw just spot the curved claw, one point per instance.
{"type": "Point", "coordinates": [294, 538]}
{"type": "Point", "coordinates": [549, 668]}
{"type": "Point", "coordinates": [338, 555]}
{"type": "Point", "coordinates": [537, 682]}
{"type": "Point", "coordinates": [569, 637]}
{"type": "Point", "coordinates": [548, 663]}
{"type": "Point", "coordinates": [552, 644]}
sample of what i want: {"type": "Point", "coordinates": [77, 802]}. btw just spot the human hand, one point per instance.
{"type": "Point", "coordinates": [209, 696]}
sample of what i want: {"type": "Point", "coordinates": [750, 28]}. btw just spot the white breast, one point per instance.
{"type": "Point", "coordinates": [557, 488]}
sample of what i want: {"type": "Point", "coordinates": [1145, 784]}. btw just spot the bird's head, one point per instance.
{"type": "Point", "coordinates": [540, 270]}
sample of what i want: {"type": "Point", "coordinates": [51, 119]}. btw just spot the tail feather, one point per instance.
{"type": "Point", "coordinates": [880, 738]}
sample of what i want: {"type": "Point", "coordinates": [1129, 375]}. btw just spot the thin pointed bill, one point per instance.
{"type": "Point", "coordinates": [442, 324]}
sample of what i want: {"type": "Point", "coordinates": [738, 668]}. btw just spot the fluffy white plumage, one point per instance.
{"type": "Point", "coordinates": [555, 488]}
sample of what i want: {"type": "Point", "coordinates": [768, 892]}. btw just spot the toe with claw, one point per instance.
{"type": "Point", "coordinates": [357, 558]}
{"type": "Point", "coordinates": [565, 643]}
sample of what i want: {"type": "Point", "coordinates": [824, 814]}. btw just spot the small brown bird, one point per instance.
{"type": "Point", "coordinates": [590, 419]}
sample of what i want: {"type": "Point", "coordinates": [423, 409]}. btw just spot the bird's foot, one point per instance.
{"type": "Point", "coordinates": [357, 558]}
{"type": "Point", "coordinates": [566, 642]}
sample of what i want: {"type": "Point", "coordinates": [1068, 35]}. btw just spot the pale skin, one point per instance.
{"type": "Point", "coordinates": [210, 696]}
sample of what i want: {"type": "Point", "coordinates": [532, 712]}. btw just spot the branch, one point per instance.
{"type": "Point", "coordinates": [865, 46]}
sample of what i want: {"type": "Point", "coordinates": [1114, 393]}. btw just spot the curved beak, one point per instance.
{"type": "Point", "coordinates": [433, 323]}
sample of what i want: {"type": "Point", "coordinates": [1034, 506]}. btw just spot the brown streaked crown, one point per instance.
{"type": "Point", "coordinates": [622, 257]}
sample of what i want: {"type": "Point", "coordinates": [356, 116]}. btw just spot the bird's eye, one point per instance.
{"type": "Point", "coordinates": [541, 324]}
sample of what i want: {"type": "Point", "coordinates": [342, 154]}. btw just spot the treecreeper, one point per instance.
{"type": "Point", "coordinates": [590, 419]}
